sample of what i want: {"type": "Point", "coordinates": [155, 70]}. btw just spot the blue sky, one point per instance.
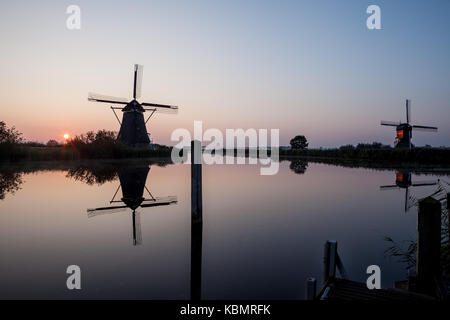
{"type": "Point", "coordinates": [305, 67]}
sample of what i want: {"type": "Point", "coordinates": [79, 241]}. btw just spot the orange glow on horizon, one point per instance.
{"type": "Point", "coordinates": [66, 136]}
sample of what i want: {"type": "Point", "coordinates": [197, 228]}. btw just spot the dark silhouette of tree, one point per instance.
{"type": "Point", "coordinates": [9, 182]}
{"type": "Point", "coordinates": [299, 143]}
{"type": "Point", "coordinates": [9, 135]}
{"type": "Point", "coordinates": [33, 144]}
{"type": "Point", "coordinates": [52, 143]}
{"type": "Point", "coordinates": [92, 175]}
{"type": "Point", "coordinates": [373, 146]}
{"type": "Point", "coordinates": [100, 144]}
{"type": "Point", "coordinates": [298, 166]}
{"type": "Point", "coordinates": [91, 137]}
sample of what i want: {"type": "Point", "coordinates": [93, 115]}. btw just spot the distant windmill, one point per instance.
{"type": "Point", "coordinates": [404, 130]}
{"type": "Point", "coordinates": [132, 182]}
{"type": "Point", "coordinates": [133, 131]}
{"type": "Point", "coordinates": [403, 181]}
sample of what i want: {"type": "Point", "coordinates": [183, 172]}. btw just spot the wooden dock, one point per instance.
{"type": "Point", "coordinates": [427, 283]}
{"type": "Point", "coordinates": [346, 290]}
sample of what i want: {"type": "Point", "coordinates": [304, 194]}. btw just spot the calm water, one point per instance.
{"type": "Point", "coordinates": [262, 235]}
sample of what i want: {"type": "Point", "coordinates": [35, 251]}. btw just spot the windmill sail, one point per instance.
{"type": "Point", "coordinates": [137, 89]}
{"type": "Point", "coordinates": [105, 210]}
{"type": "Point", "coordinates": [425, 183]}
{"type": "Point", "coordinates": [159, 201]}
{"type": "Point", "coordinates": [137, 232]}
{"type": "Point", "coordinates": [160, 108]}
{"type": "Point", "coordinates": [106, 99]}
{"type": "Point", "coordinates": [425, 128]}
{"type": "Point", "coordinates": [408, 111]}
{"type": "Point", "coordinates": [390, 123]}
{"type": "Point", "coordinates": [389, 187]}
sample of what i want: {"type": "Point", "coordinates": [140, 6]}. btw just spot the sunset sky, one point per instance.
{"type": "Point", "coordinates": [304, 67]}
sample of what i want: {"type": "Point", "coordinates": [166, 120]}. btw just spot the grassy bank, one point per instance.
{"type": "Point", "coordinates": [385, 157]}
{"type": "Point", "coordinates": [388, 155]}
{"type": "Point", "coordinates": [102, 144]}
{"type": "Point", "coordinates": [68, 153]}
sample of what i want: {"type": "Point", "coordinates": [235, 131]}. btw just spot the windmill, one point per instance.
{"type": "Point", "coordinates": [404, 130]}
{"type": "Point", "coordinates": [403, 181]}
{"type": "Point", "coordinates": [133, 130]}
{"type": "Point", "coordinates": [132, 183]}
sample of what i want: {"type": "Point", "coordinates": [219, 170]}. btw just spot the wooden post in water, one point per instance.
{"type": "Point", "coordinates": [329, 260]}
{"type": "Point", "coordinates": [311, 286]}
{"type": "Point", "coordinates": [196, 220]}
{"type": "Point", "coordinates": [428, 244]}
{"type": "Point", "coordinates": [196, 180]}
{"type": "Point", "coordinates": [448, 216]}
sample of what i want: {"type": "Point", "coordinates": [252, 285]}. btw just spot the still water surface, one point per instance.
{"type": "Point", "coordinates": [262, 235]}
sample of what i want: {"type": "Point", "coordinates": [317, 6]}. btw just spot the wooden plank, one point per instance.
{"type": "Point", "coordinates": [346, 290]}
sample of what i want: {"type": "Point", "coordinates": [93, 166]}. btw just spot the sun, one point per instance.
{"type": "Point", "coordinates": [66, 136]}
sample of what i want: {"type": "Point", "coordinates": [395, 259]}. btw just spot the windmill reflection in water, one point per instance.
{"type": "Point", "coordinates": [135, 194]}
{"type": "Point", "coordinates": [403, 180]}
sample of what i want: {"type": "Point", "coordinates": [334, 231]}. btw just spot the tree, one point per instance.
{"type": "Point", "coordinates": [52, 143]}
{"type": "Point", "coordinates": [9, 135]}
{"type": "Point", "coordinates": [106, 136]}
{"type": "Point", "coordinates": [298, 166]}
{"type": "Point", "coordinates": [9, 182]}
{"type": "Point", "coordinates": [299, 143]}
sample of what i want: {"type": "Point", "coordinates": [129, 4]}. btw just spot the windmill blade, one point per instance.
{"type": "Point", "coordinates": [425, 128]}
{"type": "Point", "coordinates": [106, 99]}
{"type": "Point", "coordinates": [105, 210]}
{"type": "Point", "coordinates": [389, 187]}
{"type": "Point", "coordinates": [410, 202]}
{"type": "Point", "coordinates": [425, 183]}
{"type": "Point", "coordinates": [390, 123]}
{"type": "Point", "coordinates": [162, 199]}
{"type": "Point", "coordinates": [161, 108]}
{"type": "Point", "coordinates": [408, 111]}
{"type": "Point", "coordinates": [159, 201]}
{"type": "Point", "coordinates": [440, 191]}
{"type": "Point", "coordinates": [406, 199]}
{"type": "Point", "coordinates": [137, 232]}
{"type": "Point", "coordinates": [161, 204]}
{"type": "Point", "coordinates": [137, 88]}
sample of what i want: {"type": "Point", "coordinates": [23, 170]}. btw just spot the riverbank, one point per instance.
{"type": "Point", "coordinates": [411, 167]}
{"type": "Point", "coordinates": [69, 153]}
{"type": "Point", "coordinates": [384, 155]}
{"type": "Point", "coordinates": [388, 158]}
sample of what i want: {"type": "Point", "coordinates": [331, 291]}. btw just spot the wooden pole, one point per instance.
{"type": "Point", "coordinates": [329, 260]}
{"type": "Point", "coordinates": [196, 221]}
{"type": "Point", "coordinates": [196, 180]}
{"type": "Point", "coordinates": [311, 285]}
{"type": "Point", "coordinates": [448, 216]}
{"type": "Point", "coordinates": [428, 245]}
